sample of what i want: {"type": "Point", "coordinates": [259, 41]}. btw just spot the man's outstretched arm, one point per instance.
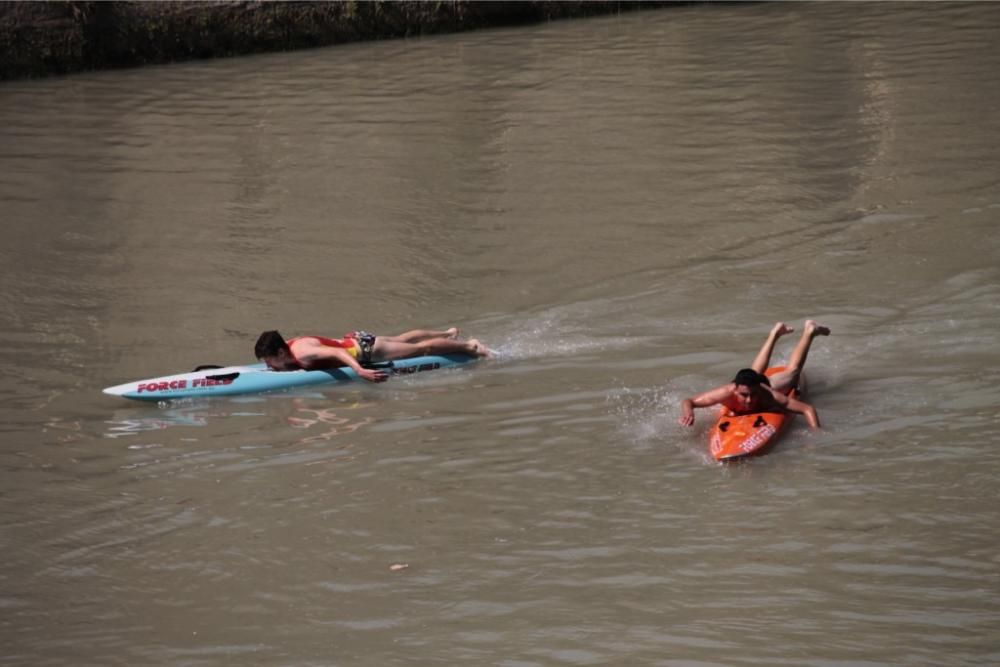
{"type": "Point", "coordinates": [802, 408]}
{"type": "Point", "coordinates": [712, 397]}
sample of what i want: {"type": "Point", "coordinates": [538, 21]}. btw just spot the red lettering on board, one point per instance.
{"type": "Point", "coordinates": [211, 382]}
{"type": "Point", "coordinates": [161, 386]}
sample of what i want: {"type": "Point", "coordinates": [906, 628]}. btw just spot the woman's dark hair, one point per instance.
{"type": "Point", "coordinates": [269, 344]}
{"type": "Point", "coordinates": [748, 377]}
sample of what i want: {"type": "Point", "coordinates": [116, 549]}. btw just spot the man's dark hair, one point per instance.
{"type": "Point", "coordinates": [269, 344]}
{"type": "Point", "coordinates": [748, 377]}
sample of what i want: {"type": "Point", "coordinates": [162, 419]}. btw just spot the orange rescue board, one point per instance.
{"type": "Point", "coordinates": [734, 437]}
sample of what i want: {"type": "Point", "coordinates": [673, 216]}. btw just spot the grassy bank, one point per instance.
{"type": "Point", "coordinates": [46, 38]}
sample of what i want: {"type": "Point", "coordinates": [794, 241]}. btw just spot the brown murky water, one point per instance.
{"type": "Point", "coordinates": [622, 207]}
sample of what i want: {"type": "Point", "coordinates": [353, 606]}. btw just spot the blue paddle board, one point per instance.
{"type": "Point", "coordinates": [256, 378]}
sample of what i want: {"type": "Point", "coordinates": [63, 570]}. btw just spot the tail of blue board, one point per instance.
{"type": "Point", "coordinates": [257, 378]}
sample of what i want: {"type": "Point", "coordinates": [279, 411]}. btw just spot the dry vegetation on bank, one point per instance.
{"type": "Point", "coordinates": [44, 38]}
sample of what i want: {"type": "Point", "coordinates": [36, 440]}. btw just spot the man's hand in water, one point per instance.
{"type": "Point", "coordinates": [687, 414]}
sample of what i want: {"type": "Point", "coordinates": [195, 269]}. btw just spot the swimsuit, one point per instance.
{"type": "Point", "coordinates": [359, 344]}
{"type": "Point", "coordinates": [365, 345]}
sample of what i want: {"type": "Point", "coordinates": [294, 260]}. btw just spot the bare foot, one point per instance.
{"type": "Point", "coordinates": [452, 332]}
{"type": "Point", "coordinates": [814, 329]}
{"type": "Point", "coordinates": [479, 349]}
{"type": "Point", "coordinates": [780, 329]}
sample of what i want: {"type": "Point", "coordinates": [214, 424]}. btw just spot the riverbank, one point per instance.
{"type": "Point", "coordinates": [48, 38]}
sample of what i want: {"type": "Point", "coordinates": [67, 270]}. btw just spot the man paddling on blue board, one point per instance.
{"type": "Point", "coordinates": [751, 391]}
{"type": "Point", "coordinates": [359, 350]}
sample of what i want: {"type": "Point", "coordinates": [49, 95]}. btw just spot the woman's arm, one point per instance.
{"type": "Point", "coordinates": [323, 356]}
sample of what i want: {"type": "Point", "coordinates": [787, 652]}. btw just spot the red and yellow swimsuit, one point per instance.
{"type": "Point", "coordinates": [358, 344]}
